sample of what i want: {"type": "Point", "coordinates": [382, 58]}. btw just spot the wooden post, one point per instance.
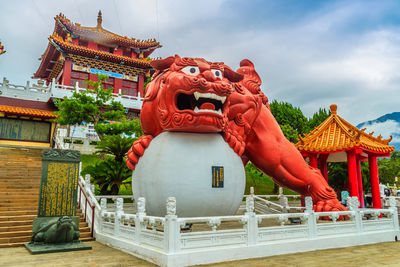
{"type": "Point", "coordinates": [360, 184]}
{"type": "Point", "coordinates": [352, 170]}
{"type": "Point", "coordinates": [373, 171]}
{"type": "Point", "coordinates": [322, 165]}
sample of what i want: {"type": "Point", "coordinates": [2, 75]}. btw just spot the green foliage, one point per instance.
{"type": "Point", "coordinates": [389, 168]}
{"type": "Point", "coordinates": [93, 105]}
{"type": "Point", "coordinates": [318, 118]}
{"type": "Point", "coordinates": [109, 175]}
{"type": "Point", "coordinates": [115, 145]}
{"type": "Point", "coordinates": [338, 175]}
{"type": "Point", "coordinates": [123, 126]}
{"type": "Point", "coordinates": [263, 184]}
{"type": "Point", "coordinates": [290, 119]}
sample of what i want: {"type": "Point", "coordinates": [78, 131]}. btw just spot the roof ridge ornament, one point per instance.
{"type": "Point", "coordinates": [99, 19]}
{"type": "Point", "coordinates": [333, 108]}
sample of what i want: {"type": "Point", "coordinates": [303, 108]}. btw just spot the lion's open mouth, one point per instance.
{"type": "Point", "coordinates": [201, 102]}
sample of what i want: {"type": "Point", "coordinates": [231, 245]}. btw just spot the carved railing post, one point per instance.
{"type": "Point", "coordinates": [141, 211]}
{"type": "Point", "coordinates": [311, 219]}
{"type": "Point", "coordinates": [395, 217]}
{"type": "Point", "coordinates": [171, 227]}
{"type": "Point", "coordinates": [352, 204]}
{"type": "Point", "coordinates": [103, 206]}
{"type": "Point", "coordinates": [87, 182]}
{"type": "Point", "coordinates": [252, 221]}
{"type": "Point", "coordinates": [119, 210]}
{"type": "Point", "coordinates": [283, 201]}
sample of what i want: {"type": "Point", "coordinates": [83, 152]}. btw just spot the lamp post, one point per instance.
{"type": "Point", "coordinates": [396, 179]}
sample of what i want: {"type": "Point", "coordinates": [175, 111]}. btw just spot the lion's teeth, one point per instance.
{"type": "Point", "coordinates": [197, 95]}
{"type": "Point", "coordinates": [219, 112]}
{"type": "Point", "coordinates": [196, 109]}
{"type": "Point", "coordinates": [223, 98]}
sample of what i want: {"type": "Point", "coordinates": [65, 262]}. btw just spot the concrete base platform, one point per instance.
{"type": "Point", "coordinates": [36, 248]}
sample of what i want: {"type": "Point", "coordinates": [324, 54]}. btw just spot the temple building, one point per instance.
{"type": "Point", "coordinates": [336, 140]}
{"type": "Point", "coordinates": [76, 53]}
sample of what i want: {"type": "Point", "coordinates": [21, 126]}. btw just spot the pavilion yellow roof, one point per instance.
{"type": "Point", "coordinates": [27, 111]}
{"type": "Point", "coordinates": [335, 134]}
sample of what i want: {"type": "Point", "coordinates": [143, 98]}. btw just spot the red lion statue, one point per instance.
{"type": "Point", "coordinates": [194, 95]}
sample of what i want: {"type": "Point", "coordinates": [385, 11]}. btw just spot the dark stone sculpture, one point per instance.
{"type": "Point", "coordinates": [57, 230]}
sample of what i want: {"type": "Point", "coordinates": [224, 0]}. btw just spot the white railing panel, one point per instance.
{"type": "Point", "coordinates": [339, 228]}
{"type": "Point", "coordinates": [273, 233]}
{"type": "Point", "coordinates": [208, 239]}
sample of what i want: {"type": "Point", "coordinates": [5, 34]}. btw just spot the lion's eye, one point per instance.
{"type": "Point", "coordinates": [191, 70]}
{"type": "Point", "coordinates": [217, 73]}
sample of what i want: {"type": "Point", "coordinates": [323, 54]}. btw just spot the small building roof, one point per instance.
{"type": "Point", "coordinates": [335, 135]}
{"type": "Point", "coordinates": [31, 112]}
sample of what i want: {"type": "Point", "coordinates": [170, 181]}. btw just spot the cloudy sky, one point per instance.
{"type": "Point", "coordinates": [309, 53]}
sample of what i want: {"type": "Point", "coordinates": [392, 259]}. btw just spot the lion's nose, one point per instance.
{"type": "Point", "coordinates": [209, 76]}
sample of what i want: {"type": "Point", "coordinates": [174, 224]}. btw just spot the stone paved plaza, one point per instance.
{"type": "Point", "coordinates": [383, 254]}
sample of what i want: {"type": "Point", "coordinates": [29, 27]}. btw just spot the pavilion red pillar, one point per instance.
{"type": "Point", "coordinates": [360, 184]}
{"type": "Point", "coordinates": [66, 78]}
{"type": "Point", "coordinates": [373, 171]}
{"type": "Point", "coordinates": [140, 85]}
{"type": "Point", "coordinates": [322, 165]}
{"type": "Point", "coordinates": [314, 161]}
{"type": "Point", "coordinates": [352, 170]}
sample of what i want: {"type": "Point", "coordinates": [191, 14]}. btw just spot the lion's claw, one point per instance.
{"type": "Point", "coordinates": [137, 150]}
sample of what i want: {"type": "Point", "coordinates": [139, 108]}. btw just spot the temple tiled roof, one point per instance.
{"type": "Point", "coordinates": [107, 37]}
{"type": "Point", "coordinates": [27, 111]}
{"type": "Point", "coordinates": [105, 65]}
{"type": "Point", "coordinates": [335, 134]}
{"type": "Point", "coordinates": [68, 47]}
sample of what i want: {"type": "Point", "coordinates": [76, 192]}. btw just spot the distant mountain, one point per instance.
{"type": "Point", "coordinates": [386, 125]}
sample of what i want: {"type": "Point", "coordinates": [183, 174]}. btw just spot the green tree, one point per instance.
{"type": "Point", "coordinates": [92, 105]}
{"type": "Point", "coordinates": [291, 119]}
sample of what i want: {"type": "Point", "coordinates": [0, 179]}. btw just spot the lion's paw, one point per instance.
{"type": "Point", "coordinates": [330, 205]}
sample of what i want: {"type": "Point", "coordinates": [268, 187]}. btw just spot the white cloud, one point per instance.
{"type": "Point", "coordinates": [386, 129]}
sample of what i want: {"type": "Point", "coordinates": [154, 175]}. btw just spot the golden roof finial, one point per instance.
{"type": "Point", "coordinates": [99, 19]}
{"type": "Point", "coordinates": [333, 108]}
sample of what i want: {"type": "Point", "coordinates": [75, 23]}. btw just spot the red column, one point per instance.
{"type": "Point", "coordinates": [140, 84]}
{"type": "Point", "coordinates": [322, 165]}
{"type": "Point", "coordinates": [119, 51]}
{"type": "Point", "coordinates": [360, 184]}
{"type": "Point", "coordinates": [92, 45]}
{"type": "Point", "coordinates": [117, 85]}
{"type": "Point", "coordinates": [373, 172]}
{"type": "Point", "coordinates": [352, 170]}
{"type": "Point", "coordinates": [66, 78]}
{"type": "Point", "coordinates": [314, 161]}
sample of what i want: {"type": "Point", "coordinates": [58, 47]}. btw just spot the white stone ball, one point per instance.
{"type": "Point", "coordinates": [180, 165]}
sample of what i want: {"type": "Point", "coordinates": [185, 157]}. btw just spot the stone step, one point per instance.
{"type": "Point", "coordinates": [15, 233]}
{"type": "Point", "coordinates": [17, 218]}
{"type": "Point", "coordinates": [26, 204]}
{"type": "Point", "coordinates": [18, 212]}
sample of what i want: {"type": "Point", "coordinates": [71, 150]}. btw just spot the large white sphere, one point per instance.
{"type": "Point", "coordinates": [180, 165]}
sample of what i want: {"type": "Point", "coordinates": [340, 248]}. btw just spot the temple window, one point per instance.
{"type": "Point", "coordinates": [126, 53]}
{"type": "Point", "coordinates": [105, 48]}
{"type": "Point", "coordinates": [83, 43]}
{"type": "Point", "coordinates": [108, 83]}
{"type": "Point", "coordinates": [79, 77]}
{"type": "Point", "coordinates": [129, 88]}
